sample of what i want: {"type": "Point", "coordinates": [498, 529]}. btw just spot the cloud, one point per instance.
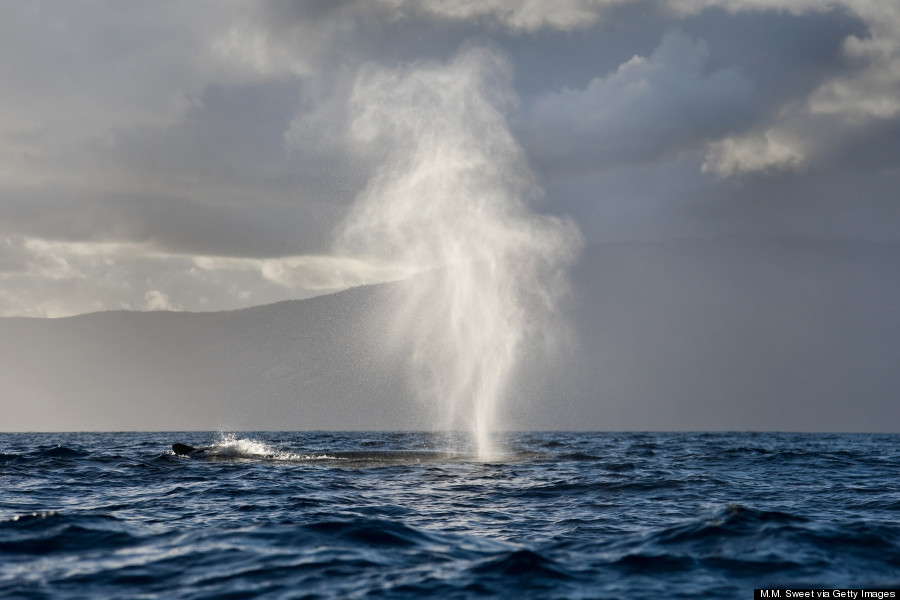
{"type": "Point", "coordinates": [13, 257]}
{"type": "Point", "coordinates": [86, 72]}
{"type": "Point", "coordinates": [251, 50]}
{"type": "Point", "coordinates": [517, 15]}
{"type": "Point", "coordinates": [759, 151]}
{"type": "Point", "coordinates": [871, 91]}
{"type": "Point", "coordinates": [647, 107]}
{"type": "Point", "coordinates": [866, 93]}
{"type": "Point", "coordinates": [40, 278]}
{"type": "Point", "coordinates": [790, 137]}
{"type": "Point", "coordinates": [76, 82]}
{"type": "Point", "coordinates": [172, 139]}
{"type": "Point", "coordinates": [157, 300]}
{"type": "Point", "coordinates": [613, 118]}
{"type": "Point", "coordinates": [309, 273]}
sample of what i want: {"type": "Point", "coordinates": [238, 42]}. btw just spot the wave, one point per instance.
{"type": "Point", "coordinates": [8, 457]}
{"type": "Point", "coordinates": [53, 532]}
{"type": "Point", "coordinates": [523, 563]}
{"type": "Point", "coordinates": [61, 452]}
{"type": "Point", "coordinates": [398, 516]}
{"type": "Point", "coordinates": [372, 532]}
{"type": "Point", "coordinates": [752, 542]}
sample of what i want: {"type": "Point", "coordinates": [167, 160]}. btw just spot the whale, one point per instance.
{"type": "Point", "coordinates": [185, 450]}
{"type": "Point", "coordinates": [346, 458]}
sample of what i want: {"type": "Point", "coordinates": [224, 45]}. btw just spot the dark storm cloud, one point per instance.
{"type": "Point", "coordinates": [785, 55]}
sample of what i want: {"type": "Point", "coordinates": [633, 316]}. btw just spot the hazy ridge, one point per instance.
{"type": "Point", "coordinates": [753, 334]}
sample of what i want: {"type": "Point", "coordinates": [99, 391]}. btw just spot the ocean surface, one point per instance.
{"type": "Point", "coordinates": [411, 515]}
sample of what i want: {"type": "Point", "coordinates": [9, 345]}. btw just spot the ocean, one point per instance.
{"type": "Point", "coordinates": [413, 515]}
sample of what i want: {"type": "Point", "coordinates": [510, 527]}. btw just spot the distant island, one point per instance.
{"type": "Point", "coordinates": [754, 334]}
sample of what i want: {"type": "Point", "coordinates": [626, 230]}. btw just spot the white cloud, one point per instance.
{"type": "Point", "coordinates": [646, 107]}
{"type": "Point", "coordinates": [157, 300]}
{"type": "Point", "coordinates": [308, 273]}
{"type": "Point", "coordinates": [867, 93]}
{"type": "Point", "coordinates": [42, 278]}
{"type": "Point", "coordinates": [768, 150]}
{"type": "Point", "coordinates": [873, 88]}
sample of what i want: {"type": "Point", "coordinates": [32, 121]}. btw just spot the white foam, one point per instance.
{"type": "Point", "coordinates": [230, 446]}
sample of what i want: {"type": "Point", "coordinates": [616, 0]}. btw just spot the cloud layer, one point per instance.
{"type": "Point", "coordinates": [646, 108]}
{"type": "Point", "coordinates": [139, 143]}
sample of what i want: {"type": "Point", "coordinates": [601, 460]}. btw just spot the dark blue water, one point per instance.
{"type": "Point", "coordinates": [382, 515]}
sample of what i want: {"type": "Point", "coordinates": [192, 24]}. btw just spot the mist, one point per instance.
{"type": "Point", "coordinates": [451, 203]}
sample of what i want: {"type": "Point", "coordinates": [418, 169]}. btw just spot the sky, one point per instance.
{"type": "Point", "coordinates": [204, 155]}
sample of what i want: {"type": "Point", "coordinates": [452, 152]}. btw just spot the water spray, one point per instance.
{"type": "Point", "coordinates": [450, 201]}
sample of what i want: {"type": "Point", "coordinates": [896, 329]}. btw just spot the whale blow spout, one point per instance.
{"type": "Point", "coordinates": [450, 201]}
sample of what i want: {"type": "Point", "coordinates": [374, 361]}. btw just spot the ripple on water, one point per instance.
{"type": "Point", "coordinates": [396, 515]}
